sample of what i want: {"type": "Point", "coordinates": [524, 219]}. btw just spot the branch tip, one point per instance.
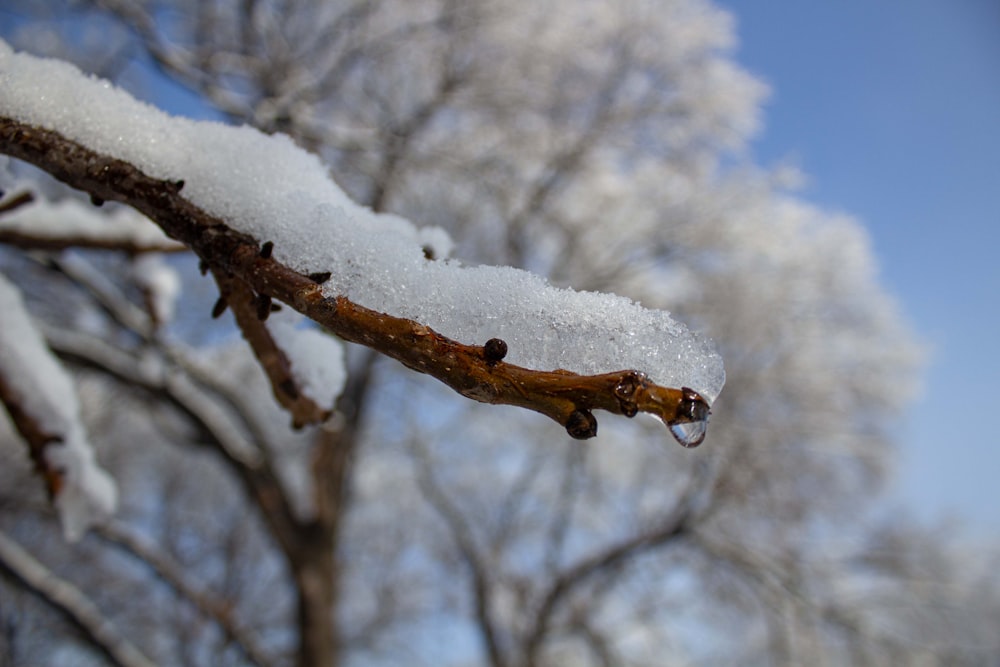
{"type": "Point", "coordinates": [220, 307]}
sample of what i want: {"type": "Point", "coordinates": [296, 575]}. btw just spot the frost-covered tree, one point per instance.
{"type": "Point", "coordinates": [598, 144]}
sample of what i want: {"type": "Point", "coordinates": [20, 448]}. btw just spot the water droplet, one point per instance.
{"type": "Point", "coordinates": [691, 421]}
{"type": "Point", "coordinates": [689, 434]}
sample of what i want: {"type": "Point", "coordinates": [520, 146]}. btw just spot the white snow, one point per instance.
{"type": "Point", "coordinates": [269, 188]}
{"type": "Point", "coordinates": [316, 358]}
{"type": "Point", "coordinates": [160, 283]}
{"type": "Point", "coordinates": [46, 394]}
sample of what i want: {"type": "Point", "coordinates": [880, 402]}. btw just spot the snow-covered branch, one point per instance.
{"type": "Point", "coordinates": [35, 224]}
{"type": "Point", "coordinates": [41, 400]}
{"type": "Point", "coordinates": [476, 372]}
{"type": "Point", "coordinates": [263, 211]}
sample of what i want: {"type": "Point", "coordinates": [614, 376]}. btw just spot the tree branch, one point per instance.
{"type": "Point", "coordinates": [673, 526]}
{"type": "Point", "coordinates": [250, 311]}
{"type": "Point", "coordinates": [72, 602]}
{"type": "Point", "coordinates": [480, 583]}
{"type": "Point", "coordinates": [473, 371]}
{"type": "Point", "coordinates": [257, 478]}
{"type": "Point", "coordinates": [171, 572]}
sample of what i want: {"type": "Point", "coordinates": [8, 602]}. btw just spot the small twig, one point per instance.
{"type": "Point", "coordinates": [16, 201]}
{"type": "Point", "coordinates": [171, 572]}
{"type": "Point", "coordinates": [246, 308]}
{"type": "Point", "coordinates": [28, 241]}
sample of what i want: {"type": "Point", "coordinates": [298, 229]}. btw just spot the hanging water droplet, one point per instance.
{"type": "Point", "coordinates": [691, 419]}
{"type": "Point", "coordinates": [689, 434]}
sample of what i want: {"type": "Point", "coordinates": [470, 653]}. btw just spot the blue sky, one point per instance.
{"type": "Point", "coordinates": [892, 108]}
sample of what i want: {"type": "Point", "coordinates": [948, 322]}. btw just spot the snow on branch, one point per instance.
{"type": "Point", "coordinates": [260, 210]}
{"type": "Point", "coordinates": [42, 403]}
{"type": "Point", "coordinates": [36, 224]}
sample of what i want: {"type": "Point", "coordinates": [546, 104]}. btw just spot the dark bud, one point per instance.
{"type": "Point", "coordinates": [266, 250]}
{"type": "Point", "coordinates": [320, 277]}
{"type": "Point", "coordinates": [220, 307]}
{"type": "Point", "coordinates": [263, 303]}
{"type": "Point", "coordinates": [582, 424]}
{"type": "Point", "coordinates": [494, 350]}
{"type": "Point", "coordinates": [178, 185]}
{"type": "Point", "coordinates": [96, 201]}
{"type": "Point", "coordinates": [275, 307]}
{"type": "Point", "coordinates": [289, 389]}
{"type": "Point", "coordinates": [429, 253]}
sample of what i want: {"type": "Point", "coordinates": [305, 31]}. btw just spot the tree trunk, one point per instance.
{"type": "Point", "coordinates": [315, 578]}
{"type": "Point", "coordinates": [315, 562]}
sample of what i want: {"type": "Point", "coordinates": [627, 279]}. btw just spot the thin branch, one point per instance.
{"type": "Point", "coordinates": [72, 602]}
{"type": "Point", "coordinates": [461, 534]}
{"type": "Point", "coordinates": [172, 573]}
{"type": "Point", "coordinates": [28, 241]}
{"type": "Point", "coordinates": [16, 202]}
{"type": "Point", "coordinates": [259, 481]}
{"type": "Point", "coordinates": [105, 293]}
{"type": "Point", "coordinates": [565, 397]}
{"type": "Point", "coordinates": [673, 526]}
{"type": "Point", "coordinates": [247, 309]}
{"type": "Point", "coordinates": [34, 433]}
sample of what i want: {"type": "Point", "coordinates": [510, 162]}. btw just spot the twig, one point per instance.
{"type": "Point", "coordinates": [16, 202]}
{"type": "Point", "coordinates": [242, 301]}
{"type": "Point", "coordinates": [171, 572]}
{"type": "Point", "coordinates": [568, 398]}
{"type": "Point", "coordinates": [673, 526]}
{"type": "Point", "coordinates": [72, 602]}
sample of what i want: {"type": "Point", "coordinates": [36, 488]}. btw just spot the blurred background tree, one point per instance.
{"type": "Point", "coordinates": [601, 144]}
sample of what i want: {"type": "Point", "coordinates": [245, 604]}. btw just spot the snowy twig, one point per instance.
{"type": "Point", "coordinates": [28, 241]}
{"type": "Point", "coordinates": [68, 599]}
{"type": "Point", "coordinates": [35, 434]}
{"type": "Point", "coordinates": [257, 478]}
{"type": "Point", "coordinates": [247, 309]}
{"type": "Point", "coordinates": [16, 202]}
{"type": "Point", "coordinates": [474, 371]}
{"type": "Point", "coordinates": [36, 224]}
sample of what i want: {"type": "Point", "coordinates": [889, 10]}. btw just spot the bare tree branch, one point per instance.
{"type": "Point", "coordinates": [471, 370]}
{"type": "Point", "coordinates": [673, 526]}
{"type": "Point", "coordinates": [174, 575]}
{"type": "Point", "coordinates": [257, 478]}
{"type": "Point", "coordinates": [69, 600]}
{"type": "Point", "coordinates": [461, 533]}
